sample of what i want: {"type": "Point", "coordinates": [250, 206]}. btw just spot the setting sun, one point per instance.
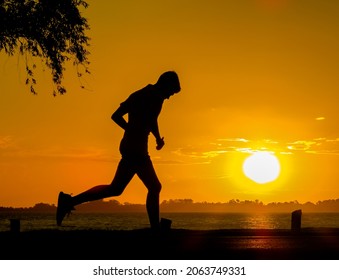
{"type": "Point", "coordinates": [261, 167]}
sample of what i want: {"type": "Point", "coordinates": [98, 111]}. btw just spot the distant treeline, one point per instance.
{"type": "Point", "coordinates": [188, 205]}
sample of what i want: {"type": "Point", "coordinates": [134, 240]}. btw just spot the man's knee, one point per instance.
{"type": "Point", "coordinates": [155, 188]}
{"type": "Point", "coordinates": [115, 191]}
{"type": "Point", "coordinates": [158, 187]}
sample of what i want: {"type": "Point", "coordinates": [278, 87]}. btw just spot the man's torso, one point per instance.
{"type": "Point", "coordinates": [143, 108]}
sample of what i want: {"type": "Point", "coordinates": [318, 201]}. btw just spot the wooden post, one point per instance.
{"type": "Point", "coordinates": [165, 224]}
{"type": "Point", "coordinates": [296, 220]}
{"type": "Point", "coordinates": [15, 225]}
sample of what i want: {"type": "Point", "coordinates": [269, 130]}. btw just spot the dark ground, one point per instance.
{"type": "Point", "coordinates": [177, 244]}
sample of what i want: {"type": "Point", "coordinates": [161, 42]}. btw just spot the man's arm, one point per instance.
{"type": "Point", "coordinates": [156, 133]}
{"type": "Point", "coordinates": [118, 117]}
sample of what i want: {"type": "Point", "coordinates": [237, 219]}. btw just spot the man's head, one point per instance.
{"type": "Point", "coordinates": [168, 83]}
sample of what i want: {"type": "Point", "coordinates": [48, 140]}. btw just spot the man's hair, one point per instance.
{"type": "Point", "coordinates": [169, 79]}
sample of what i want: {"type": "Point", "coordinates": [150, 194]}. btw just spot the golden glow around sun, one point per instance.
{"type": "Point", "coordinates": [261, 167]}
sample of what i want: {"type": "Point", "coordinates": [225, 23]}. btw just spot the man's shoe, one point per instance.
{"type": "Point", "coordinates": [64, 208]}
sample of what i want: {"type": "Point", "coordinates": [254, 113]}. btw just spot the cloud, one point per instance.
{"type": "Point", "coordinates": [326, 146]}
{"type": "Point", "coordinates": [316, 146]}
{"type": "Point", "coordinates": [11, 151]}
{"type": "Point", "coordinates": [243, 140]}
{"type": "Point", "coordinates": [195, 152]}
{"type": "Point", "coordinates": [6, 142]}
{"type": "Point", "coordinates": [161, 161]}
{"type": "Point", "coordinates": [301, 145]}
{"type": "Point", "coordinates": [330, 140]}
{"type": "Point", "coordinates": [86, 153]}
{"type": "Point", "coordinates": [204, 153]}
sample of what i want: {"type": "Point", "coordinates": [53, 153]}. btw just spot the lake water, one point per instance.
{"type": "Point", "coordinates": [203, 221]}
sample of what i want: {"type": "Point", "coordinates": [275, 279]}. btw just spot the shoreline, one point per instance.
{"type": "Point", "coordinates": [176, 244]}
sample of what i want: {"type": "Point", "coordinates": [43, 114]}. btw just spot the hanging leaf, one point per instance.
{"type": "Point", "coordinates": [52, 30]}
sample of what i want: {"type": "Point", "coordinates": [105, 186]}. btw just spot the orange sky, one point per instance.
{"type": "Point", "coordinates": [255, 75]}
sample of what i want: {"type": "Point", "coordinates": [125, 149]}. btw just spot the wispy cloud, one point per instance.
{"type": "Point", "coordinates": [222, 146]}
{"type": "Point", "coordinates": [85, 153]}
{"type": "Point", "coordinates": [204, 153]}
{"type": "Point", "coordinates": [243, 140]}
{"type": "Point", "coordinates": [196, 152]}
{"type": "Point", "coordinates": [6, 142]}
{"type": "Point", "coordinates": [325, 146]}
{"type": "Point", "coordinates": [301, 145]}
{"type": "Point", "coordinates": [316, 146]}
{"type": "Point", "coordinates": [9, 150]}
{"type": "Point", "coordinates": [161, 161]}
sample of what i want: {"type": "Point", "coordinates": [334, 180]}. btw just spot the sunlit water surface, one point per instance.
{"type": "Point", "coordinates": [197, 221]}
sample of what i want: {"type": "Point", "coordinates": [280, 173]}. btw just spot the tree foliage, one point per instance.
{"type": "Point", "coordinates": [52, 30]}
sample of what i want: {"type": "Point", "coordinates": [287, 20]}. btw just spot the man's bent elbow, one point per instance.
{"type": "Point", "coordinates": [119, 120]}
{"type": "Point", "coordinates": [115, 117]}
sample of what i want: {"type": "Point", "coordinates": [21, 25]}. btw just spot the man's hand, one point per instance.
{"type": "Point", "coordinates": [160, 143]}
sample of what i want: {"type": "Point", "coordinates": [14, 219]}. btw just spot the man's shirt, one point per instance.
{"type": "Point", "coordinates": [143, 108]}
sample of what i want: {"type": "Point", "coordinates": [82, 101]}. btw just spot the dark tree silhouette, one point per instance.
{"type": "Point", "coordinates": [52, 30]}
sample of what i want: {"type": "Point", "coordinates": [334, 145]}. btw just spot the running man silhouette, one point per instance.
{"type": "Point", "coordinates": [143, 108]}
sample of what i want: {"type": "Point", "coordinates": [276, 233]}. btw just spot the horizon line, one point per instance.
{"type": "Point", "coordinates": [187, 200]}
